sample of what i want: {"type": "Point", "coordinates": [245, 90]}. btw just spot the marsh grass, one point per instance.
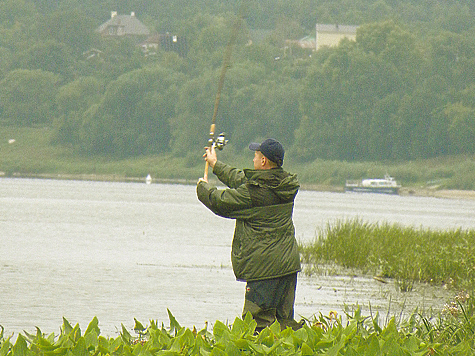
{"type": "Point", "coordinates": [406, 254]}
{"type": "Point", "coordinates": [409, 255]}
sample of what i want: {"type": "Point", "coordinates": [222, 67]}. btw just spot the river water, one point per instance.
{"type": "Point", "coordinates": [119, 251]}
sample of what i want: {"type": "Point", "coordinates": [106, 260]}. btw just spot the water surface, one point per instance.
{"type": "Point", "coordinates": [119, 251]}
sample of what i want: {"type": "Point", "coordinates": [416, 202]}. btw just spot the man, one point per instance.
{"type": "Point", "coordinates": [264, 249]}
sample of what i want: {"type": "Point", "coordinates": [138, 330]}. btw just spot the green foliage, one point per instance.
{"type": "Point", "coordinates": [133, 117]}
{"type": "Point", "coordinates": [327, 335]}
{"type": "Point", "coordinates": [401, 91]}
{"type": "Point", "coordinates": [49, 56]}
{"type": "Point", "coordinates": [406, 254]}
{"type": "Point", "coordinates": [27, 96]}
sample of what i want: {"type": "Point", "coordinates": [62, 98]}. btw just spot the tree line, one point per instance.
{"type": "Point", "coordinates": [404, 89]}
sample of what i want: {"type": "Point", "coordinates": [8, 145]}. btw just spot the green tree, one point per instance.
{"type": "Point", "coordinates": [452, 57]}
{"type": "Point", "coordinates": [133, 116]}
{"type": "Point", "coordinates": [49, 56]}
{"type": "Point", "coordinates": [6, 61]}
{"type": "Point", "coordinates": [461, 116]}
{"type": "Point", "coordinates": [194, 110]}
{"type": "Point", "coordinates": [27, 97]}
{"type": "Point", "coordinates": [268, 109]}
{"type": "Point", "coordinates": [70, 27]}
{"type": "Point", "coordinates": [462, 128]}
{"type": "Point", "coordinates": [16, 11]}
{"type": "Point", "coordinates": [73, 99]}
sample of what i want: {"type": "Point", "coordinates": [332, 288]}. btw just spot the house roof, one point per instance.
{"type": "Point", "coordinates": [336, 28]}
{"type": "Point", "coordinates": [129, 25]}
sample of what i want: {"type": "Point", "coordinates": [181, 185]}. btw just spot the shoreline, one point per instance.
{"type": "Point", "coordinates": [405, 191]}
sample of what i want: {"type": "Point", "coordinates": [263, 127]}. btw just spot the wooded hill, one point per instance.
{"type": "Point", "coordinates": [404, 89]}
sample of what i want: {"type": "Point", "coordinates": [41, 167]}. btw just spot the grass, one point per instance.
{"type": "Point", "coordinates": [406, 254]}
{"type": "Point", "coordinates": [33, 154]}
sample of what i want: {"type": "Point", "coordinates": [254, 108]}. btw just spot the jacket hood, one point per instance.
{"type": "Point", "coordinates": [282, 183]}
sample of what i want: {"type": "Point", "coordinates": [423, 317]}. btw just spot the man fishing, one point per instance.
{"type": "Point", "coordinates": [264, 249]}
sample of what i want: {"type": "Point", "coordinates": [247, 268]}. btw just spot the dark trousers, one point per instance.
{"type": "Point", "coordinates": [269, 300]}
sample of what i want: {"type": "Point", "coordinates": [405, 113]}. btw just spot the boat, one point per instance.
{"type": "Point", "coordinates": [386, 185]}
{"type": "Point", "coordinates": [148, 179]}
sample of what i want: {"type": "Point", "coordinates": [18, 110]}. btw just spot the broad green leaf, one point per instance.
{"type": "Point", "coordinates": [335, 349]}
{"type": "Point", "coordinates": [91, 339]}
{"type": "Point", "coordinates": [188, 338]}
{"type": "Point", "coordinates": [220, 330]}
{"type": "Point", "coordinates": [306, 350]}
{"type": "Point", "coordinates": [203, 352]}
{"type": "Point", "coordinates": [241, 343]}
{"type": "Point", "coordinates": [93, 325]}
{"type": "Point", "coordinates": [66, 328]}
{"type": "Point", "coordinates": [217, 352]}
{"type": "Point", "coordinates": [30, 337]}
{"type": "Point", "coordinates": [390, 328]}
{"type": "Point", "coordinates": [274, 347]}
{"type": "Point", "coordinates": [373, 347]}
{"type": "Point", "coordinates": [164, 340]}
{"type": "Point", "coordinates": [103, 345]}
{"type": "Point", "coordinates": [138, 326]}
{"type": "Point", "coordinates": [125, 334]}
{"type": "Point", "coordinates": [376, 326]}
{"type": "Point", "coordinates": [393, 348]}
{"type": "Point", "coordinates": [75, 334]}
{"type": "Point", "coordinates": [51, 338]}
{"type": "Point", "coordinates": [324, 344]}
{"type": "Point", "coordinates": [80, 349]}
{"type": "Point", "coordinates": [301, 335]}
{"type": "Point", "coordinates": [258, 348]}
{"type": "Point", "coordinates": [5, 347]}
{"type": "Point", "coordinates": [238, 328]}
{"type": "Point", "coordinates": [45, 345]}
{"type": "Point", "coordinates": [412, 343]}
{"type": "Point", "coordinates": [20, 348]}
{"type": "Point", "coordinates": [233, 350]}
{"type": "Point", "coordinates": [174, 325]}
{"type": "Point", "coordinates": [275, 328]}
{"type": "Point", "coordinates": [248, 318]}
{"type": "Point", "coordinates": [116, 343]}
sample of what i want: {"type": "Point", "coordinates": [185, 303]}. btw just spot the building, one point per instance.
{"type": "Point", "coordinates": [123, 26]}
{"type": "Point", "coordinates": [165, 42]}
{"type": "Point", "coordinates": [331, 35]}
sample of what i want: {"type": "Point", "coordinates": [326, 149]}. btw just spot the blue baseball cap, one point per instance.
{"type": "Point", "coordinates": [270, 148]}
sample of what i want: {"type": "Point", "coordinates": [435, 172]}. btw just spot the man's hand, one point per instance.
{"type": "Point", "coordinates": [210, 156]}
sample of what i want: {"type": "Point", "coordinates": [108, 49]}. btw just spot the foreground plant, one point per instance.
{"type": "Point", "coordinates": [325, 335]}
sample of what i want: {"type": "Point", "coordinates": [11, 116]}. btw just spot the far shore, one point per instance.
{"type": "Point", "coordinates": [405, 191]}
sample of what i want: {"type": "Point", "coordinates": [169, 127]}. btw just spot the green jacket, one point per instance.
{"type": "Point", "coordinates": [261, 201]}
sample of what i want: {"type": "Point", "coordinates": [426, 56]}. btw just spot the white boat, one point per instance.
{"type": "Point", "coordinates": [148, 180]}
{"type": "Point", "coordinates": [386, 185]}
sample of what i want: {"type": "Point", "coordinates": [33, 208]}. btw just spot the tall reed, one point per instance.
{"type": "Point", "coordinates": [406, 254]}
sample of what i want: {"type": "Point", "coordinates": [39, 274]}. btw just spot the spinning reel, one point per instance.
{"type": "Point", "coordinates": [219, 142]}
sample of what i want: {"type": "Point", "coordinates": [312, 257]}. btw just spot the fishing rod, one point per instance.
{"type": "Point", "coordinates": [221, 141]}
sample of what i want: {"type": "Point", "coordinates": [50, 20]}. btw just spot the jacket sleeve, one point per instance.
{"type": "Point", "coordinates": [231, 177]}
{"type": "Point", "coordinates": [223, 202]}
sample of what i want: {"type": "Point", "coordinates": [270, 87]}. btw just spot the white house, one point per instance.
{"type": "Point", "coordinates": [123, 25]}
{"type": "Point", "coordinates": [331, 35]}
